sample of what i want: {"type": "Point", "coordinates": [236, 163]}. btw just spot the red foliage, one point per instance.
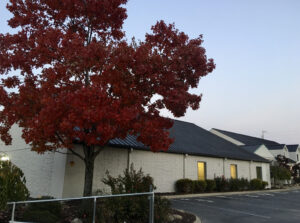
{"type": "Point", "coordinates": [80, 79]}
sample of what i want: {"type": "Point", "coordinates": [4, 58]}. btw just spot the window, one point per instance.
{"type": "Point", "coordinates": [233, 171]}
{"type": "Point", "coordinates": [258, 172]}
{"type": "Point", "coordinates": [297, 157]}
{"type": "Point", "coordinates": [201, 170]}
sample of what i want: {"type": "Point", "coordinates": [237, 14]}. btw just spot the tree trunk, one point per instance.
{"type": "Point", "coordinates": [89, 175]}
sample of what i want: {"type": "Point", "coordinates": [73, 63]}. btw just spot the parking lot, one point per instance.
{"type": "Point", "coordinates": [275, 207]}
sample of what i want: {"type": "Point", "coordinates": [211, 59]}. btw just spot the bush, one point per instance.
{"type": "Point", "coordinates": [199, 186]}
{"type": "Point", "coordinates": [244, 184]}
{"type": "Point", "coordinates": [39, 216]}
{"type": "Point", "coordinates": [234, 184]}
{"type": "Point", "coordinates": [45, 212]}
{"type": "Point", "coordinates": [239, 184]}
{"type": "Point", "coordinates": [257, 184]}
{"type": "Point", "coordinates": [210, 185]}
{"type": "Point", "coordinates": [297, 180]}
{"type": "Point", "coordinates": [12, 184]}
{"type": "Point", "coordinates": [221, 184]}
{"type": "Point", "coordinates": [264, 184]}
{"type": "Point", "coordinates": [131, 209]}
{"type": "Point", "coordinates": [184, 186]}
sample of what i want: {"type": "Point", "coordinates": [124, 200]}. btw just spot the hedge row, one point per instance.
{"type": "Point", "coordinates": [219, 184]}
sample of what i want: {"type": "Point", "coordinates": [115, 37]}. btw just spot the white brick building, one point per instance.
{"type": "Point", "coordinates": [195, 154]}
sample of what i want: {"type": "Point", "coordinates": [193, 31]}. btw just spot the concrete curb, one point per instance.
{"type": "Point", "coordinates": [198, 220]}
{"type": "Point", "coordinates": [228, 193]}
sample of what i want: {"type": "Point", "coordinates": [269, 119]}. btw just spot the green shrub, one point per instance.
{"type": "Point", "coordinates": [184, 186]}
{"type": "Point", "coordinates": [53, 207]}
{"type": "Point", "coordinates": [210, 185]}
{"type": "Point", "coordinates": [234, 184]}
{"type": "Point", "coordinates": [238, 184]}
{"type": "Point", "coordinates": [297, 180]}
{"type": "Point", "coordinates": [244, 184]}
{"type": "Point", "coordinates": [39, 216]}
{"type": "Point", "coordinates": [256, 184]}
{"type": "Point", "coordinates": [51, 211]}
{"type": "Point", "coordinates": [264, 184]}
{"type": "Point", "coordinates": [162, 210]}
{"type": "Point", "coordinates": [221, 184]}
{"type": "Point", "coordinates": [199, 186]}
{"type": "Point", "coordinates": [131, 209]}
{"type": "Point", "coordinates": [280, 173]}
{"type": "Point", "coordinates": [12, 184]}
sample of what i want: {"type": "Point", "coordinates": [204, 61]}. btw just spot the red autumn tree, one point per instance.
{"type": "Point", "coordinates": [69, 76]}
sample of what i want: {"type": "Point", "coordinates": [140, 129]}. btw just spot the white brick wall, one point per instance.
{"type": "Point", "coordinates": [165, 168]}
{"type": "Point", "coordinates": [39, 169]}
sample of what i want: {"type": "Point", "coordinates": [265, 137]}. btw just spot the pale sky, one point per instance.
{"type": "Point", "coordinates": [256, 47]}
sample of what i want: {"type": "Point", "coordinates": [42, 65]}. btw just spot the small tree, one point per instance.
{"type": "Point", "coordinates": [132, 209]}
{"type": "Point", "coordinates": [12, 184]}
{"type": "Point", "coordinates": [280, 173]}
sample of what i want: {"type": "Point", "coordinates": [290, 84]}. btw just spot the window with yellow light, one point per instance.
{"type": "Point", "coordinates": [201, 170]}
{"type": "Point", "coordinates": [233, 171]}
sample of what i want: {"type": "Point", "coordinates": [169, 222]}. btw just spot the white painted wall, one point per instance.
{"type": "Point", "coordinates": [277, 152]}
{"type": "Point", "coordinates": [293, 155]}
{"type": "Point", "coordinates": [265, 153]}
{"type": "Point", "coordinates": [286, 152]}
{"type": "Point", "coordinates": [165, 168]}
{"type": "Point", "coordinates": [44, 173]}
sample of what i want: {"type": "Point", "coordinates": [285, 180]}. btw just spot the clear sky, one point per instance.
{"type": "Point", "coordinates": [256, 46]}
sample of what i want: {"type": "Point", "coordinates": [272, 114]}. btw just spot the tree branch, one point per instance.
{"type": "Point", "coordinates": [96, 153]}
{"type": "Point", "coordinates": [76, 154]}
{"type": "Point", "coordinates": [72, 151]}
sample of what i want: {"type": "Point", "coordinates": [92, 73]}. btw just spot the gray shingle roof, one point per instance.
{"type": "Point", "coordinates": [275, 147]}
{"type": "Point", "coordinates": [247, 140]}
{"type": "Point", "coordinates": [194, 140]}
{"type": "Point", "coordinates": [251, 149]}
{"type": "Point", "coordinates": [292, 148]}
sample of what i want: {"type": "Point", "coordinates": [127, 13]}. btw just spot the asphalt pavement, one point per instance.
{"type": "Point", "coordinates": [267, 207]}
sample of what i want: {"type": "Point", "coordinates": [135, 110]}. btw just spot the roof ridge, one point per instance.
{"type": "Point", "coordinates": [245, 135]}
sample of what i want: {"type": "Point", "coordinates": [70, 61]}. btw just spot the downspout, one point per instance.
{"type": "Point", "coordinates": [224, 160]}
{"type": "Point", "coordinates": [184, 161]}
{"type": "Point", "coordinates": [250, 175]}
{"type": "Point", "coordinates": [129, 157]}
